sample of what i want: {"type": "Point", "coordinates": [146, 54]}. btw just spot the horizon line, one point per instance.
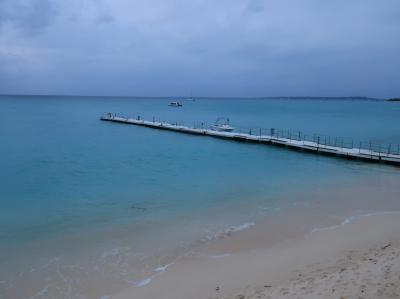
{"type": "Point", "coordinates": [198, 97]}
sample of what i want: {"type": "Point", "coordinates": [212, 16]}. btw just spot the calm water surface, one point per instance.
{"type": "Point", "coordinates": [115, 201]}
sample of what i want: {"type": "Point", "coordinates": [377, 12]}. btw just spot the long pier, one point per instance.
{"type": "Point", "coordinates": [318, 146]}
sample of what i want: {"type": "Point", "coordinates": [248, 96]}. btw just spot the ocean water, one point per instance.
{"type": "Point", "coordinates": [85, 202]}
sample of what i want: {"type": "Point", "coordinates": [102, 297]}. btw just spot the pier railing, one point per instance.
{"type": "Point", "coordinates": [321, 139]}
{"type": "Point", "coordinates": [364, 147]}
{"type": "Point", "coordinates": [326, 140]}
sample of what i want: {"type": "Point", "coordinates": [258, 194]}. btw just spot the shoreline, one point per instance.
{"type": "Point", "coordinates": [117, 269]}
{"type": "Point", "coordinates": [266, 231]}
{"type": "Point", "coordinates": [226, 269]}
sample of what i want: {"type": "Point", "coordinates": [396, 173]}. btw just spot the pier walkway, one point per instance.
{"type": "Point", "coordinates": [366, 151]}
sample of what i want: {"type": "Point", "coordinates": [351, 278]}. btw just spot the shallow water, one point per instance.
{"type": "Point", "coordinates": [87, 202]}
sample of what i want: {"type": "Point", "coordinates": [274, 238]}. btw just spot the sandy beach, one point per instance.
{"type": "Point", "coordinates": [199, 149]}
{"type": "Point", "coordinates": [356, 259]}
{"type": "Point", "coordinates": [373, 273]}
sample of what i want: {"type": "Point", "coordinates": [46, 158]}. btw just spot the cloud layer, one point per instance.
{"type": "Point", "coordinates": [220, 48]}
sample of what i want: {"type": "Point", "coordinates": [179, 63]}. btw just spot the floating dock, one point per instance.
{"type": "Point", "coordinates": [318, 146]}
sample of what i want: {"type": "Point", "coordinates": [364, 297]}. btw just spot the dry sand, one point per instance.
{"type": "Point", "coordinates": [373, 273]}
{"type": "Point", "coordinates": [360, 259]}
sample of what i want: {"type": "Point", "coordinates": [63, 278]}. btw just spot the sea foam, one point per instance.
{"type": "Point", "coordinates": [351, 219]}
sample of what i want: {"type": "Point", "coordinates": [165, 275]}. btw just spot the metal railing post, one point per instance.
{"type": "Point", "coordinates": [370, 148]}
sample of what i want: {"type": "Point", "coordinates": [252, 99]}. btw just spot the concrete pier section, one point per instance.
{"type": "Point", "coordinates": [369, 153]}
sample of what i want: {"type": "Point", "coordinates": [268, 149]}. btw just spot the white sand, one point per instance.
{"type": "Point", "coordinates": [357, 260]}
{"type": "Point", "coordinates": [373, 273]}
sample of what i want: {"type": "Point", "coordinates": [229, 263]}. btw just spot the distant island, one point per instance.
{"type": "Point", "coordinates": [393, 100]}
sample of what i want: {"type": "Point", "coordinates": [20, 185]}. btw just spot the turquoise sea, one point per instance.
{"type": "Point", "coordinates": [86, 202]}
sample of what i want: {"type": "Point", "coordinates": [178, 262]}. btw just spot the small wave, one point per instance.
{"type": "Point", "coordinates": [163, 268]}
{"type": "Point", "coordinates": [351, 219]}
{"type": "Point", "coordinates": [241, 227]}
{"type": "Point", "coordinates": [40, 293]}
{"type": "Point", "coordinates": [146, 281]}
{"type": "Point", "coordinates": [229, 231]}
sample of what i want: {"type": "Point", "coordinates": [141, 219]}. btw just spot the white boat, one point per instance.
{"type": "Point", "coordinates": [175, 104]}
{"type": "Point", "coordinates": [222, 125]}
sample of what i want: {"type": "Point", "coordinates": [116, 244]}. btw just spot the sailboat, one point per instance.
{"type": "Point", "coordinates": [191, 97]}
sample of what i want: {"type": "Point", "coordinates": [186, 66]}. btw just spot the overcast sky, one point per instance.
{"type": "Point", "coordinates": [215, 47]}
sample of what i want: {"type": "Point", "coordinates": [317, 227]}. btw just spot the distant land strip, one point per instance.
{"type": "Point", "coordinates": [357, 98]}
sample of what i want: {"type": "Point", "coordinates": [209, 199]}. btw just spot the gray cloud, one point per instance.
{"type": "Point", "coordinates": [30, 17]}
{"type": "Point", "coordinates": [158, 47]}
{"type": "Point", "coordinates": [256, 5]}
{"type": "Point", "coordinates": [105, 18]}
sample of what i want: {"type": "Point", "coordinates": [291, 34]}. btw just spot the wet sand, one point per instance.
{"type": "Point", "coordinates": [359, 259]}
